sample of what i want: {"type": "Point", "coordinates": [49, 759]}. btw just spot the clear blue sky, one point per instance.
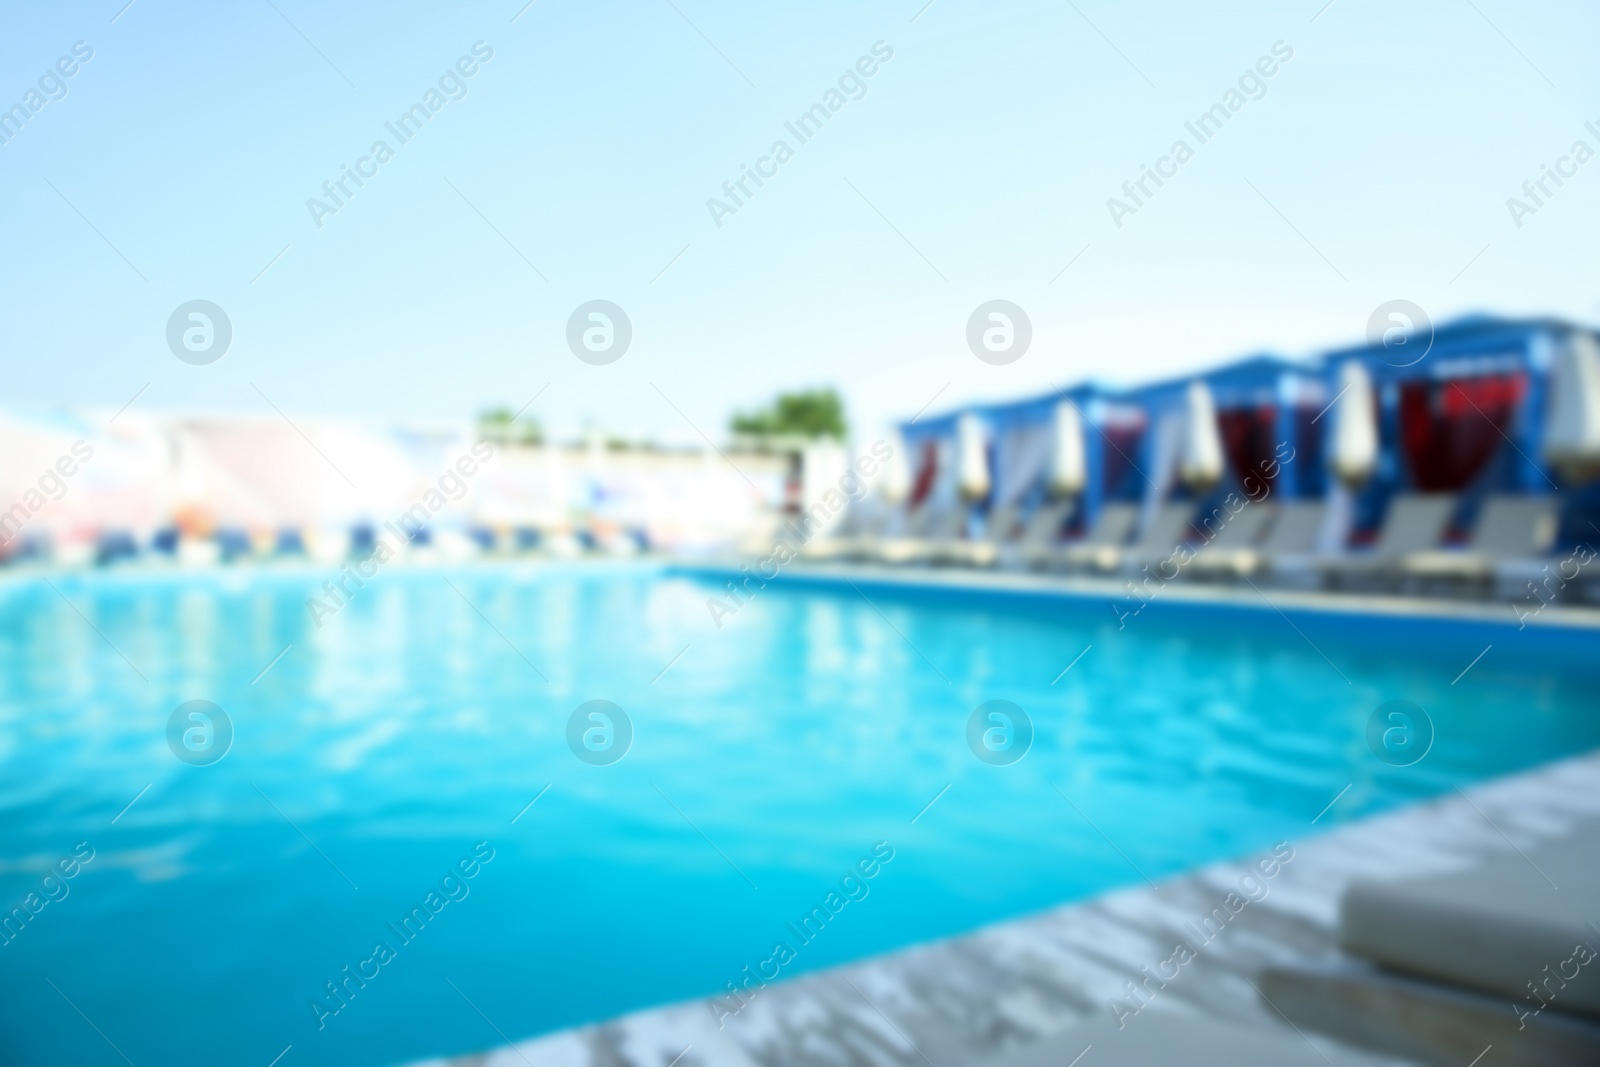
{"type": "Point", "coordinates": [977, 165]}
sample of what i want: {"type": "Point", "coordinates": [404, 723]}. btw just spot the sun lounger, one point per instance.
{"type": "Point", "coordinates": [1423, 1021]}
{"type": "Point", "coordinates": [1160, 539]}
{"type": "Point", "coordinates": [949, 547]}
{"type": "Point", "coordinates": [838, 540]}
{"type": "Point", "coordinates": [1414, 523]}
{"type": "Point", "coordinates": [1505, 954]}
{"type": "Point", "coordinates": [1040, 534]}
{"type": "Point", "coordinates": [928, 528]}
{"type": "Point", "coordinates": [905, 538]}
{"type": "Point", "coordinates": [1288, 552]}
{"type": "Point", "coordinates": [1232, 549]}
{"type": "Point", "coordinates": [980, 551]}
{"type": "Point", "coordinates": [1155, 1038]}
{"type": "Point", "coordinates": [1510, 536]}
{"type": "Point", "coordinates": [1495, 928]}
{"type": "Point", "coordinates": [1102, 546]}
{"type": "Point", "coordinates": [859, 528]}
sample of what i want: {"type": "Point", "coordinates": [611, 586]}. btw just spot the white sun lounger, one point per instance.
{"type": "Point", "coordinates": [1424, 1021]}
{"type": "Point", "coordinates": [1158, 542]}
{"type": "Point", "coordinates": [1288, 552]}
{"type": "Point", "coordinates": [1449, 964]}
{"type": "Point", "coordinates": [1102, 546]}
{"type": "Point", "coordinates": [1155, 1038]}
{"type": "Point", "coordinates": [1510, 537]}
{"type": "Point", "coordinates": [1414, 522]}
{"type": "Point", "coordinates": [860, 524]}
{"type": "Point", "coordinates": [1040, 534]}
{"type": "Point", "coordinates": [928, 529]}
{"type": "Point", "coordinates": [1232, 549]}
{"type": "Point", "coordinates": [981, 551]}
{"type": "Point", "coordinates": [1495, 928]}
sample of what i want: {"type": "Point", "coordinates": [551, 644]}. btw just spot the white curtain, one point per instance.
{"type": "Point", "coordinates": [1022, 459]}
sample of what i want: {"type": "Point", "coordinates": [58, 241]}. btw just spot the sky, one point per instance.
{"type": "Point", "coordinates": [975, 163]}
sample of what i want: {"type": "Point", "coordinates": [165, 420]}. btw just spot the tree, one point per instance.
{"type": "Point", "coordinates": [501, 427]}
{"type": "Point", "coordinates": [812, 413]}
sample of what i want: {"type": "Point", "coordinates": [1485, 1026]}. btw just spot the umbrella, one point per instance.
{"type": "Point", "coordinates": [974, 458]}
{"type": "Point", "coordinates": [1572, 427]}
{"type": "Point", "coordinates": [1355, 426]}
{"type": "Point", "coordinates": [896, 473]}
{"type": "Point", "coordinates": [1067, 468]}
{"type": "Point", "coordinates": [1200, 462]}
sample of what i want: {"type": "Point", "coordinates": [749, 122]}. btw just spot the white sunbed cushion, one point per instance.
{"type": "Point", "coordinates": [1113, 525]}
{"type": "Point", "coordinates": [1044, 525]}
{"type": "Point", "coordinates": [1235, 530]}
{"type": "Point", "coordinates": [1496, 928]}
{"type": "Point", "coordinates": [1165, 1039]}
{"type": "Point", "coordinates": [1100, 547]}
{"type": "Point", "coordinates": [1294, 530]}
{"type": "Point", "coordinates": [1516, 527]}
{"type": "Point", "coordinates": [1168, 528]}
{"type": "Point", "coordinates": [1509, 528]}
{"type": "Point", "coordinates": [1414, 523]}
{"type": "Point", "coordinates": [1231, 547]}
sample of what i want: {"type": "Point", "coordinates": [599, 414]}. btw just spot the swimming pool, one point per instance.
{"type": "Point", "coordinates": [403, 743]}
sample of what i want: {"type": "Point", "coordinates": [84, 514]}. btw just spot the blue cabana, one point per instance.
{"type": "Point", "coordinates": [1267, 409]}
{"type": "Point", "coordinates": [1447, 412]}
{"type": "Point", "coordinates": [1020, 444]}
{"type": "Point", "coordinates": [1462, 415]}
{"type": "Point", "coordinates": [1023, 447]}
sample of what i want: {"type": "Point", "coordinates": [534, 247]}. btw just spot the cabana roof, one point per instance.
{"type": "Point", "coordinates": [1466, 347]}
{"type": "Point", "coordinates": [1254, 381]}
{"type": "Point", "coordinates": [1041, 408]}
{"type": "Point", "coordinates": [1034, 409]}
{"type": "Point", "coordinates": [928, 427]}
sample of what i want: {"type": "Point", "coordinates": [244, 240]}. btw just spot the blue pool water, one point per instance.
{"type": "Point", "coordinates": [767, 759]}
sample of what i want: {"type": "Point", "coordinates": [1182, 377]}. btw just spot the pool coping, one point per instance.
{"type": "Point", "coordinates": [1021, 980]}
{"type": "Point", "coordinates": [1208, 594]}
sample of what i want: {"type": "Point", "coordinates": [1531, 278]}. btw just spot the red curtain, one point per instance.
{"type": "Point", "coordinates": [925, 474]}
{"type": "Point", "coordinates": [1451, 429]}
{"type": "Point", "coordinates": [1247, 436]}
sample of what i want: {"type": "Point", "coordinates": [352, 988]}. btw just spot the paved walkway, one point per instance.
{"type": "Point", "coordinates": [956, 1001]}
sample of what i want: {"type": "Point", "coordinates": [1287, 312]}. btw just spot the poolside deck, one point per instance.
{"type": "Point", "coordinates": [959, 1000]}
